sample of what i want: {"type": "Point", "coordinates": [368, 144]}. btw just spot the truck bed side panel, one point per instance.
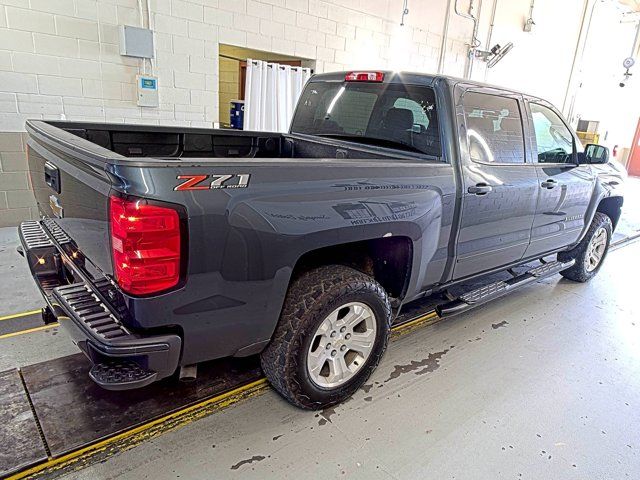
{"type": "Point", "coordinates": [244, 242]}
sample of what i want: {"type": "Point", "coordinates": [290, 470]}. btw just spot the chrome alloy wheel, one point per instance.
{"type": "Point", "coordinates": [595, 250]}
{"type": "Point", "coordinates": [341, 345]}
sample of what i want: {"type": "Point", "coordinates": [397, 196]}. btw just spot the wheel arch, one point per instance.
{"type": "Point", "coordinates": [612, 208]}
{"type": "Point", "coordinates": [388, 260]}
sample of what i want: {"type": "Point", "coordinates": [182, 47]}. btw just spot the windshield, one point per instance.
{"type": "Point", "coordinates": [387, 115]}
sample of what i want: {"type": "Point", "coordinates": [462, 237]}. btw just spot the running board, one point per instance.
{"type": "Point", "coordinates": [495, 290]}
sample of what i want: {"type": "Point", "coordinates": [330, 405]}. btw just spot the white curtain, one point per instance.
{"type": "Point", "coordinates": [271, 93]}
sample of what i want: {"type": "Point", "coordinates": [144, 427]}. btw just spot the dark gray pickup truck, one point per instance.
{"type": "Point", "coordinates": [162, 247]}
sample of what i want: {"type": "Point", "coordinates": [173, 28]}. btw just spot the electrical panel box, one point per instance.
{"type": "Point", "coordinates": [136, 42]}
{"type": "Point", "coordinates": [147, 91]}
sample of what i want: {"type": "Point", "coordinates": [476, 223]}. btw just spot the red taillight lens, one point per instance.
{"type": "Point", "coordinates": [145, 243]}
{"type": "Point", "coordinates": [364, 77]}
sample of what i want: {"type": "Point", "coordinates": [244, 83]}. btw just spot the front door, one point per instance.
{"type": "Point", "coordinates": [565, 188]}
{"type": "Point", "coordinates": [500, 186]}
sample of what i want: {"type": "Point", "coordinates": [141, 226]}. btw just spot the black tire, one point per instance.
{"type": "Point", "coordinates": [578, 272]}
{"type": "Point", "coordinates": [310, 299]}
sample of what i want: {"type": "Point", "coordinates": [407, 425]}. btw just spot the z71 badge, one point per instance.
{"type": "Point", "coordinates": [212, 182]}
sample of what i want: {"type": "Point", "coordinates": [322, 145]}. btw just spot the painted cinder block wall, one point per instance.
{"type": "Point", "coordinates": [59, 58]}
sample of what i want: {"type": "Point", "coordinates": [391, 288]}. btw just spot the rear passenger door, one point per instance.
{"type": "Point", "coordinates": [565, 189]}
{"type": "Point", "coordinates": [500, 187]}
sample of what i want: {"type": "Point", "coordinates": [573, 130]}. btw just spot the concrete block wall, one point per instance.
{"type": "Point", "coordinates": [16, 200]}
{"type": "Point", "coordinates": [59, 59]}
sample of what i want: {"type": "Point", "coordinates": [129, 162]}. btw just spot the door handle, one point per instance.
{"type": "Point", "coordinates": [480, 189]}
{"type": "Point", "coordinates": [549, 184]}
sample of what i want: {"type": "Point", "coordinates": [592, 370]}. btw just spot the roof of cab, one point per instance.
{"type": "Point", "coordinates": [414, 78]}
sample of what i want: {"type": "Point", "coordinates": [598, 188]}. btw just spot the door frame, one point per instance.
{"type": "Point", "coordinates": [465, 161]}
{"type": "Point", "coordinates": [635, 148]}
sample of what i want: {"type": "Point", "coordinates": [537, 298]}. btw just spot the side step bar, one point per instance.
{"type": "Point", "coordinates": [495, 290]}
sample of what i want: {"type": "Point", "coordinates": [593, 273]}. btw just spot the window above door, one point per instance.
{"type": "Point", "coordinates": [554, 140]}
{"type": "Point", "coordinates": [494, 128]}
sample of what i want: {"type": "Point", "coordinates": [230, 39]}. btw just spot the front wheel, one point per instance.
{"type": "Point", "coordinates": [331, 335]}
{"type": "Point", "coordinates": [590, 253]}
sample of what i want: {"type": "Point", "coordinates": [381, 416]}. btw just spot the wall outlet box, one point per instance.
{"type": "Point", "coordinates": [147, 87]}
{"type": "Point", "coordinates": [136, 42]}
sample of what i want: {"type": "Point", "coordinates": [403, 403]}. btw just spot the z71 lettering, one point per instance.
{"type": "Point", "coordinates": [197, 182]}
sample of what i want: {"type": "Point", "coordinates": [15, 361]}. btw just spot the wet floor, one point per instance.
{"type": "Point", "coordinates": [544, 383]}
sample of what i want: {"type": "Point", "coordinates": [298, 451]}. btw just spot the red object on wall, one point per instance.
{"type": "Point", "coordinates": [634, 155]}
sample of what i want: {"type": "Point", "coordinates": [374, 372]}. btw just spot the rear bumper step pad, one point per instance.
{"type": "Point", "coordinates": [122, 358]}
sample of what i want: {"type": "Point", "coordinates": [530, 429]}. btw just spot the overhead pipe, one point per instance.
{"type": "Point", "coordinates": [529, 23]}
{"type": "Point", "coordinates": [445, 34]}
{"type": "Point", "coordinates": [581, 44]}
{"type": "Point", "coordinates": [636, 46]}
{"type": "Point", "coordinates": [494, 8]}
{"type": "Point", "coordinates": [474, 35]}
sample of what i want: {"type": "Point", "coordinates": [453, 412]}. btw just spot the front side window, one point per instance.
{"type": "Point", "coordinates": [388, 115]}
{"type": "Point", "coordinates": [494, 128]}
{"type": "Point", "coordinates": [553, 139]}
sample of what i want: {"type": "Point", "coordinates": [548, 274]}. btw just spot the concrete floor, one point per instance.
{"type": "Point", "coordinates": [544, 383]}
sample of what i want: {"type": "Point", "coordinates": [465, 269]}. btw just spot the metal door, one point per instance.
{"type": "Point", "coordinates": [565, 187]}
{"type": "Point", "coordinates": [500, 186]}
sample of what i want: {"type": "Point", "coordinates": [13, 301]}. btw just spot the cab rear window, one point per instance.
{"type": "Point", "coordinates": [387, 115]}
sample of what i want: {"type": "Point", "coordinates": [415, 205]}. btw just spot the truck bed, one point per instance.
{"type": "Point", "coordinates": [135, 141]}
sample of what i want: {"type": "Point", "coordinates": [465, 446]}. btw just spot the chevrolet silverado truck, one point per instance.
{"type": "Point", "coordinates": [162, 247]}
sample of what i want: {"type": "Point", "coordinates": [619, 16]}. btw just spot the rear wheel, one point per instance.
{"type": "Point", "coordinates": [332, 334]}
{"type": "Point", "coordinates": [590, 253]}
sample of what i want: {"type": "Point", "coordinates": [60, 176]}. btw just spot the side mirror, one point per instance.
{"type": "Point", "coordinates": [596, 154]}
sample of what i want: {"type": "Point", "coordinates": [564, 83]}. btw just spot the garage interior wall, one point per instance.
{"type": "Point", "coordinates": [60, 59]}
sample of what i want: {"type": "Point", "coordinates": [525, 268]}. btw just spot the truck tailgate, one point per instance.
{"type": "Point", "coordinates": [71, 187]}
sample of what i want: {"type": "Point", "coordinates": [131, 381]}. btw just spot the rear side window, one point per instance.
{"type": "Point", "coordinates": [494, 128]}
{"type": "Point", "coordinates": [553, 138]}
{"type": "Point", "coordinates": [388, 115]}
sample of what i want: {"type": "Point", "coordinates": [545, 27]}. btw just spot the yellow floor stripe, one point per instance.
{"type": "Point", "coordinates": [22, 314]}
{"type": "Point", "coordinates": [126, 440]}
{"type": "Point", "coordinates": [30, 330]}
{"type": "Point", "coordinates": [149, 430]}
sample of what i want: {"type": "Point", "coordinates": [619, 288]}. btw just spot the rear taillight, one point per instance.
{"type": "Point", "coordinates": [145, 244]}
{"type": "Point", "coordinates": [364, 77]}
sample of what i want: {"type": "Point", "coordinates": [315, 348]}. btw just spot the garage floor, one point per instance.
{"type": "Point", "coordinates": [544, 383]}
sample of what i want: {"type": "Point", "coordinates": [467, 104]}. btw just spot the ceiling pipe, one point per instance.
{"type": "Point", "coordinates": [494, 8]}
{"type": "Point", "coordinates": [405, 12]}
{"type": "Point", "coordinates": [529, 23]}
{"type": "Point", "coordinates": [445, 34]}
{"type": "Point", "coordinates": [585, 26]}
{"type": "Point", "coordinates": [636, 43]}
{"type": "Point", "coordinates": [475, 43]}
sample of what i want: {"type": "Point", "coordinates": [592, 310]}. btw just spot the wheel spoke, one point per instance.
{"type": "Point", "coordinates": [362, 342]}
{"type": "Point", "coordinates": [318, 352]}
{"type": "Point", "coordinates": [355, 316]}
{"type": "Point", "coordinates": [325, 327]}
{"type": "Point", "coordinates": [317, 366]}
{"type": "Point", "coordinates": [338, 369]}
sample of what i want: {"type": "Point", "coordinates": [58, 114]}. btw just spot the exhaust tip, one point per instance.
{"type": "Point", "coordinates": [188, 373]}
